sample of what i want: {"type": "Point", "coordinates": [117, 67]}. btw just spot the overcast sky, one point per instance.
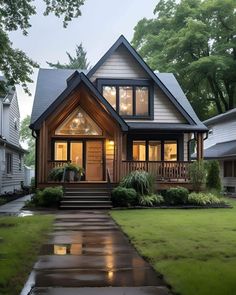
{"type": "Point", "coordinates": [101, 23]}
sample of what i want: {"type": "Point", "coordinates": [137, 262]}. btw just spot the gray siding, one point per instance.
{"type": "Point", "coordinates": [11, 181]}
{"type": "Point", "coordinates": [221, 132]}
{"type": "Point", "coordinates": [14, 115]}
{"type": "Point", "coordinates": [120, 65]}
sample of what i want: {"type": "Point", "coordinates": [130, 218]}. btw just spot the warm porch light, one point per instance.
{"type": "Point", "coordinates": [111, 142]}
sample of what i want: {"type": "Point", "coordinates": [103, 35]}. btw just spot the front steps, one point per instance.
{"type": "Point", "coordinates": [85, 197]}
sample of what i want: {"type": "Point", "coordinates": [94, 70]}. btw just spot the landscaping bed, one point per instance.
{"type": "Point", "coordinates": [8, 197]}
{"type": "Point", "coordinates": [194, 249]}
{"type": "Point", "coordinates": [20, 242]}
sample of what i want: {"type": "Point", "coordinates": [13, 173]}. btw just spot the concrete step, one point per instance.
{"type": "Point", "coordinates": [87, 193]}
{"type": "Point", "coordinates": [85, 201]}
{"type": "Point", "coordinates": [86, 198]}
{"type": "Point", "coordinates": [85, 207]}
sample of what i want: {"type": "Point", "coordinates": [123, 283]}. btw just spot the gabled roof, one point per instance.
{"type": "Point", "coordinates": [72, 82]}
{"type": "Point", "coordinates": [166, 82]}
{"type": "Point", "coordinates": [231, 114]}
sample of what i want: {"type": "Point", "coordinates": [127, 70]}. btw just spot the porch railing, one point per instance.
{"type": "Point", "coordinates": [56, 164]}
{"type": "Point", "coordinates": [161, 170]}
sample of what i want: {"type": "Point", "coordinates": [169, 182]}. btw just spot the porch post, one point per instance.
{"type": "Point", "coordinates": [199, 146]}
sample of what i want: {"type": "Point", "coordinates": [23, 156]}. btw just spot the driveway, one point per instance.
{"type": "Point", "coordinates": [88, 254]}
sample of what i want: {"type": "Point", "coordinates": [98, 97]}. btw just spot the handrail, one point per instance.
{"type": "Point", "coordinates": [109, 178]}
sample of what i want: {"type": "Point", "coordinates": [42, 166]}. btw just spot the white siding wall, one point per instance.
{"type": "Point", "coordinates": [6, 124]}
{"type": "Point", "coordinates": [14, 114]}
{"type": "Point", "coordinates": [223, 131]}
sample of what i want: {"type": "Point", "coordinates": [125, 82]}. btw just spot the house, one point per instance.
{"type": "Point", "coordinates": [221, 145]}
{"type": "Point", "coordinates": [11, 153]}
{"type": "Point", "coordinates": [118, 117]}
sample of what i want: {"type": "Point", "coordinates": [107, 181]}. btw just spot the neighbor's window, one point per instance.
{"type": "Point", "coordinates": [109, 92]}
{"type": "Point", "coordinates": [126, 100]}
{"type": "Point", "coordinates": [9, 163]}
{"type": "Point", "coordinates": [60, 151]}
{"type": "Point", "coordinates": [154, 150]}
{"type": "Point", "coordinates": [170, 150]}
{"type": "Point", "coordinates": [229, 168]}
{"type": "Point", "coordinates": [139, 150]}
{"type": "Point", "coordinates": [20, 162]}
{"type": "Point", "coordinates": [141, 94]}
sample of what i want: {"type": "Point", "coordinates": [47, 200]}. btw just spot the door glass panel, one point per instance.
{"type": "Point", "coordinates": [109, 92]}
{"type": "Point", "coordinates": [154, 150]}
{"type": "Point", "coordinates": [60, 151]}
{"type": "Point", "coordinates": [139, 150]}
{"type": "Point", "coordinates": [170, 150]}
{"type": "Point", "coordinates": [141, 101]}
{"type": "Point", "coordinates": [126, 100]}
{"type": "Point", "coordinates": [76, 153]}
{"type": "Point", "coordinates": [94, 160]}
{"type": "Point", "coordinates": [79, 123]}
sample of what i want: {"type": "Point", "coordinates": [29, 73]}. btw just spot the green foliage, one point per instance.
{"type": "Point", "coordinates": [56, 174]}
{"type": "Point", "coordinates": [197, 175]}
{"type": "Point", "coordinates": [150, 200]}
{"type": "Point", "coordinates": [176, 196]}
{"type": "Point", "coordinates": [204, 199]}
{"type": "Point", "coordinates": [124, 197]}
{"type": "Point", "coordinates": [77, 62]}
{"type": "Point", "coordinates": [213, 176]}
{"type": "Point", "coordinates": [141, 181]}
{"type": "Point", "coordinates": [48, 197]}
{"type": "Point", "coordinates": [196, 41]}
{"type": "Point", "coordinates": [26, 137]}
{"type": "Point", "coordinates": [15, 15]}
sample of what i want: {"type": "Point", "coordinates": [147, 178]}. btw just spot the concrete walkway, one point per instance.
{"type": "Point", "coordinates": [15, 206]}
{"type": "Point", "coordinates": [88, 254]}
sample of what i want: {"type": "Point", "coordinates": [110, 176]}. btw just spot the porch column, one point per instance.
{"type": "Point", "coordinates": [199, 146]}
{"type": "Point", "coordinates": [118, 156]}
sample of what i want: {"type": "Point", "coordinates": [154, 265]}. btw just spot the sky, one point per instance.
{"type": "Point", "coordinates": [101, 24]}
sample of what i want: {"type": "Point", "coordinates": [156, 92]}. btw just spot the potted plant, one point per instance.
{"type": "Point", "coordinates": [56, 174]}
{"type": "Point", "coordinates": [73, 172]}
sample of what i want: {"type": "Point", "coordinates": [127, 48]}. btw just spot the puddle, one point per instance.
{"type": "Point", "coordinates": [25, 213]}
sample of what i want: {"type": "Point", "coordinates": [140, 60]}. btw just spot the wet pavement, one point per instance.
{"type": "Point", "coordinates": [88, 254]}
{"type": "Point", "coordinates": [14, 207]}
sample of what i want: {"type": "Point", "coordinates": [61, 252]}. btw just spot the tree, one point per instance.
{"type": "Point", "coordinates": [14, 15]}
{"type": "Point", "coordinates": [213, 176]}
{"type": "Point", "coordinates": [196, 40]}
{"type": "Point", "coordinates": [26, 137]}
{"type": "Point", "coordinates": [77, 62]}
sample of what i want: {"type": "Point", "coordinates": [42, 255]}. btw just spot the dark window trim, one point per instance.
{"type": "Point", "coordinates": [9, 165]}
{"type": "Point", "coordinates": [133, 83]}
{"type": "Point", "coordinates": [232, 163]}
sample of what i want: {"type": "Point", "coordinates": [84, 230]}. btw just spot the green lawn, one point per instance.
{"type": "Point", "coordinates": [195, 250]}
{"type": "Point", "coordinates": [20, 241]}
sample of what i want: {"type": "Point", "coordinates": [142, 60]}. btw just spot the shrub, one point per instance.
{"type": "Point", "coordinates": [49, 197]}
{"type": "Point", "coordinates": [56, 174]}
{"type": "Point", "coordinates": [197, 175]}
{"type": "Point", "coordinates": [176, 196]}
{"type": "Point", "coordinates": [141, 181]}
{"type": "Point", "coordinates": [213, 176]}
{"type": "Point", "coordinates": [124, 197]}
{"type": "Point", "coordinates": [150, 200]}
{"type": "Point", "coordinates": [203, 199]}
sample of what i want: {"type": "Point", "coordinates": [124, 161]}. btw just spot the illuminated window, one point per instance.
{"type": "Point", "coordinates": [170, 150]}
{"type": "Point", "coordinates": [60, 151]}
{"type": "Point", "coordinates": [76, 153]}
{"type": "Point", "coordinates": [109, 92]}
{"type": "Point", "coordinates": [141, 101]}
{"type": "Point", "coordinates": [139, 150]}
{"type": "Point", "coordinates": [78, 123]}
{"type": "Point", "coordinates": [154, 150]}
{"type": "Point", "coordinates": [126, 100]}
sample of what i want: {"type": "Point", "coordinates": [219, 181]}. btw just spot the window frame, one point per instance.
{"type": "Point", "coordinates": [130, 83]}
{"type": "Point", "coordinates": [232, 163]}
{"type": "Point", "coordinates": [9, 155]}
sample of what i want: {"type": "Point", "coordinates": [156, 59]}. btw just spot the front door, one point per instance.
{"type": "Point", "coordinates": [94, 160]}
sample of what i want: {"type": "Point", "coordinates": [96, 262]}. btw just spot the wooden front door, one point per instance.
{"type": "Point", "coordinates": [94, 160]}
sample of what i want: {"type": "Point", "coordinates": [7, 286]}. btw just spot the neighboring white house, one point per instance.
{"type": "Point", "coordinates": [11, 153]}
{"type": "Point", "coordinates": [221, 145]}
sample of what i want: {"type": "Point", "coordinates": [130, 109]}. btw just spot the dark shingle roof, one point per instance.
{"type": "Point", "coordinates": [221, 150]}
{"type": "Point", "coordinates": [219, 118]}
{"type": "Point", "coordinates": [50, 84]}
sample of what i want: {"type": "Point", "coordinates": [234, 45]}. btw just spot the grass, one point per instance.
{"type": "Point", "coordinates": [20, 241]}
{"type": "Point", "coordinates": [195, 250]}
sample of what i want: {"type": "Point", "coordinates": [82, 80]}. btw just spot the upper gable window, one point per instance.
{"type": "Point", "coordinates": [128, 100]}
{"type": "Point", "coordinates": [78, 123]}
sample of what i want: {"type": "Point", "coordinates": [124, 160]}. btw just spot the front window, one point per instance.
{"type": "Point", "coordinates": [154, 150]}
{"type": "Point", "coordinates": [229, 168]}
{"type": "Point", "coordinates": [141, 95]}
{"type": "Point", "coordinates": [79, 123]}
{"type": "Point", "coordinates": [126, 101]}
{"type": "Point", "coordinates": [170, 150]}
{"type": "Point", "coordinates": [76, 153]}
{"type": "Point", "coordinates": [139, 150]}
{"type": "Point", "coordinates": [60, 151]}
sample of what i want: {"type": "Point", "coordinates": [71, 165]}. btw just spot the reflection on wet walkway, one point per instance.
{"type": "Point", "coordinates": [87, 249]}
